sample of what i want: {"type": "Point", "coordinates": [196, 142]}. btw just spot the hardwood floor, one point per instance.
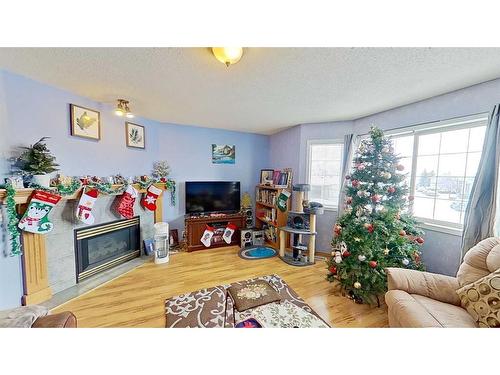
{"type": "Point", "coordinates": [136, 299]}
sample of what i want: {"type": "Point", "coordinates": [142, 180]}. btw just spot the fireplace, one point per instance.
{"type": "Point", "coordinates": [101, 247]}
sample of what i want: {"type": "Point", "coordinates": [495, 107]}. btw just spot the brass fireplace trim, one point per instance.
{"type": "Point", "coordinates": [86, 274]}
{"type": "Point", "coordinates": [102, 229]}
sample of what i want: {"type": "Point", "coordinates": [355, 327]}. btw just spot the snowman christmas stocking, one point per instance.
{"type": "Point", "coordinates": [84, 209]}
{"type": "Point", "coordinates": [206, 239]}
{"type": "Point", "coordinates": [228, 232]}
{"type": "Point", "coordinates": [36, 217]}
{"type": "Point", "coordinates": [149, 199]}
{"type": "Point", "coordinates": [282, 199]}
{"type": "Point", "coordinates": [126, 202]}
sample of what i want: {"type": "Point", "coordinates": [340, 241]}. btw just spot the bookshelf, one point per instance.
{"type": "Point", "coordinates": [268, 216]}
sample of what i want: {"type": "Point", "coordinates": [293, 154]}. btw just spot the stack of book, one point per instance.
{"type": "Point", "coordinates": [282, 178]}
{"type": "Point", "coordinates": [266, 196]}
{"type": "Point", "coordinates": [267, 214]}
{"type": "Point", "coordinates": [271, 234]}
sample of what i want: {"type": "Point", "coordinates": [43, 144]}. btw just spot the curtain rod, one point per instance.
{"type": "Point", "coordinates": [431, 122]}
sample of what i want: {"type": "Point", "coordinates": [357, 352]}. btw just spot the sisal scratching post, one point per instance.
{"type": "Point", "coordinates": [299, 192]}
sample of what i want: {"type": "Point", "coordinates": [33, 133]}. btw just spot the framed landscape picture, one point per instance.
{"type": "Point", "coordinates": [136, 136]}
{"type": "Point", "coordinates": [223, 154]}
{"type": "Point", "coordinates": [85, 122]}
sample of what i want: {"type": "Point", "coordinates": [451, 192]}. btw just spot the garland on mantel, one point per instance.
{"type": "Point", "coordinates": [68, 190]}
{"type": "Point", "coordinates": [13, 220]}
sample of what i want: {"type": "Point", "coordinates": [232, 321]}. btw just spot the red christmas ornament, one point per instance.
{"type": "Point", "coordinates": [348, 200]}
{"type": "Point", "coordinates": [372, 263]}
{"type": "Point", "coordinates": [333, 270]}
{"type": "Point", "coordinates": [337, 229]}
{"type": "Point", "coordinates": [355, 183]}
{"type": "Point", "coordinates": [391, 189]}
{"type": "Point", "coordinates": [402, 233]}
{"type": "Point", "coordinates": [376, 198]}
{"type": "Point", "coordinates": [346, 253]}
{"type": "Point", "coordinates": [400, 167]}
{"type": "Point", "coordinates": [419, 240]}
{"type": "Point", "coordinates": [369, 227]}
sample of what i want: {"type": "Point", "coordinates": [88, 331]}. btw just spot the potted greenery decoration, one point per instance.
{"type": "Point", "coordinates": [38, 162]}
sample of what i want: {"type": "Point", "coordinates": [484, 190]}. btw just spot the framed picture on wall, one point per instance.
{"type": "Point", "coordinates": [85, 122]}
{"type": "Point", "coordinates": [223, 154]}
{"type": "Point", "coordinates": [136, 136]}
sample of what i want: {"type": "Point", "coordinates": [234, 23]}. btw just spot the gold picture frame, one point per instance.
{"type": "Point", "coordinates": [135, 135]}
{"type": "Point", "coordinates": [85, 122]}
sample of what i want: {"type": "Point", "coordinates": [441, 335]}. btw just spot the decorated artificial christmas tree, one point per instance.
{"type": "Point", "coordinates": [375, 230]}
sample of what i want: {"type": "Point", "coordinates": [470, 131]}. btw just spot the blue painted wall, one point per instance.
{"type": "Point", "coordinates": [33, 110]}
{"type": "Point", "coordinates": [441, 252]}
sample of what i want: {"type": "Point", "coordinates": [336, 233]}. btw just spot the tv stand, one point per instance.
{"type": "Point", "coordinates": [195, 226]}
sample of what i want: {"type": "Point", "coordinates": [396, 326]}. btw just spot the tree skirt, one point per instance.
{"type": "Point", "coordinates": [206, 308]}
{"type": "Point", "coordinates": [257, 252]}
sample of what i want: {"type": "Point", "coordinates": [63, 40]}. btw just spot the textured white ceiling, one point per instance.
{"type": "Point", "coordinates": [269, 89]}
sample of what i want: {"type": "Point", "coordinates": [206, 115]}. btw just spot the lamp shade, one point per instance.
{"type": "Point", "coordinates": [228, 55]}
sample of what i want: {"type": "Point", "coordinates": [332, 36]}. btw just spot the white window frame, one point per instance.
{"type": "Point", "coordinates": [465, 122]}
{"type": "Point", "coordinates": [312, 142]}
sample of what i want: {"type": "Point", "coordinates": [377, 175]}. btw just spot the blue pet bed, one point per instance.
{"type": "Point", "coordinates": [257, 252]}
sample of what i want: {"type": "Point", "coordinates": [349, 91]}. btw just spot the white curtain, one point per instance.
{"type": "Point", "coordinates": [480, 216]}
{"type": "Point", "coordinates": [350, 146]}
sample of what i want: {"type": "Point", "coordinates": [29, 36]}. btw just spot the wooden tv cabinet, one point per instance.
{"type": "Point", "coordinates": [195, 226]}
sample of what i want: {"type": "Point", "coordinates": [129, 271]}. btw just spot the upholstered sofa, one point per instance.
{"type": "Point", "coordinates": [423, 299]}
{"type": "Point", "coordinates": [36, 316]}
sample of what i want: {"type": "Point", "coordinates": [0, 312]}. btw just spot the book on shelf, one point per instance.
{"type": "Point", "coordinates": [267, 214]}
{"type": "Point", "coordinates": [266, 196]}
{"type": "Point", "coordinates": [280, 178]}
{"type": "Point", "coordinates": [276, 177]}
{"type": "Point", "coordinates": [270, 233]}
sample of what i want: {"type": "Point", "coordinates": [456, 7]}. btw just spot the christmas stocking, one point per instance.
{"type": "Point", "coordinates": [282, 199]}
{"type": "Point", "coordinates": [35, 219]}
{"type": "Point", "coordinates": [206, 239]}
{"type": "Point", "coordinates": [149, 199]}
{"type": "Point", "coordinates": [84, 209]}
{"type": "Point", "coordinates": [228, 232]}
{"type": "Point", "coordinates": [126, 202]}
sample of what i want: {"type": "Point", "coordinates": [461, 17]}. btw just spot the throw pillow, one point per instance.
{"type": "Point", "coordinates": [252, 294]}
{"type": "Point", "coordinates": [481, 299]}
{"type": "Point", "coordinates": [285, 315]}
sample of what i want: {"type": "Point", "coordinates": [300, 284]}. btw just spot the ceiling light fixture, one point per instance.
{"type": "Point", "coordinates": [122, 109]}
{"type": "Point", "coordinates": [228, 55]}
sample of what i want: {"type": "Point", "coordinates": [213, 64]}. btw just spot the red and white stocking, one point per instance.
{"type": "Point", "coordinates": [228, 232]}
{"type": "Point", "coordinates": [126, 202]}
{"type": "Point", "coordinates": [84, 209]}
{"type": "Point", "coordinates": [149, 199]}
{"type": "Point", "coordinates": [206, 239]}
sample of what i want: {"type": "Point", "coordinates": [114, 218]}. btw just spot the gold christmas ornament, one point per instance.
{"type": "Point", "coordinates": [246, 201]}
{"type": "Point", "coordinates": [357, 285]}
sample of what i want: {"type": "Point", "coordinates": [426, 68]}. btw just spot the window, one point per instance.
{"type": "Point", "coordinates": [324, 171]}
{"type": "Point", "coordinates": [442, 161]}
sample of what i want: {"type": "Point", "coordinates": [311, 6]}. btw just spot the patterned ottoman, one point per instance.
{"type": "Point", "coordinates": [206, 308]}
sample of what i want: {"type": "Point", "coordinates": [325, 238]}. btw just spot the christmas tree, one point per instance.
{"type": "Point", "coordinates": [375, 230]}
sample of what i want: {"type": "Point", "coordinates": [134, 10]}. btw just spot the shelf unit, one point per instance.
{"type": "Point", "coordinates": [265, 201]}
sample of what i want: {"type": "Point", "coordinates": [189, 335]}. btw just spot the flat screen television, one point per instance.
{"type": "Point", "coordinates": [212, 196]}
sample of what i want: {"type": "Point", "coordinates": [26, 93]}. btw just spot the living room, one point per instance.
{"type": "Point", "coordinates": [175, 186]}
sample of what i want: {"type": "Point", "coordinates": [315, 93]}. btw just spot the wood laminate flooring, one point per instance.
{"type": "Point", "coordinates": [136, 299]}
